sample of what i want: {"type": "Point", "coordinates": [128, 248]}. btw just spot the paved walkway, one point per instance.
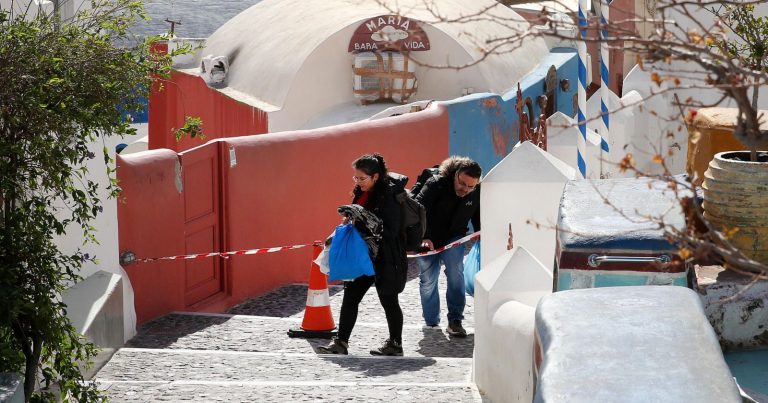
{"type": "Point", "coordinates": [245, 356]}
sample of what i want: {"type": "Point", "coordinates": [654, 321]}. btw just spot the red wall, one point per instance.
{"type": "Point", "coordinates": [283, 190]}
{"type": "Point", "coordinates": [188, 95]}
{"type": "Point", "coordinates": [150, 214]}
{"type": "Point", "coordinates": [286, 187]}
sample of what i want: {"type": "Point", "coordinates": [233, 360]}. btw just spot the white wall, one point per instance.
{"type": "Point", "coordinates": [139, 142]}
{"type": "Point", "coordinates": [523, 189]}
{"type": "Point", "coordinates": [325, 78]}
{"type": "Point", "coordinates": [67, 8]}
{"type": "Point", "coordinates": [662, 129]}
{"type": "Point", "coordinates": [635, 130]}
{"type": "Point", "coordinates": [562, 135]}
{"type": "Point", "coordinates": [107, 251]}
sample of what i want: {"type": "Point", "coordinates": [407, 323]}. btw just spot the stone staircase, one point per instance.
{"type": "Point", "coordinates": [246, 355]}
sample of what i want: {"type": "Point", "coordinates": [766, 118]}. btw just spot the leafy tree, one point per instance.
{"type": "Point", "coordinates": [697, 48]}
{"type": "Point", "coordinates": [750, 42]}
{"type": "Point", "coordinates": [63, 86]}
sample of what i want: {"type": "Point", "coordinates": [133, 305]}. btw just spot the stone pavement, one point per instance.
{"type": "Point", "coordinates": [245, 355]}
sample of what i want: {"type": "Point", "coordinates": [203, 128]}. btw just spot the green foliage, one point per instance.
{"type": "Point", "coordinates": [751, 42]}
{"type": "Point", "coordinates": [193, 127]}
{"type": "Point", "coordinates": [63, 86]}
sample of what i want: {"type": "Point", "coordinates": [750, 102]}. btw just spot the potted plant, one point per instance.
{"type": "Point", "coordinates": [735, 187]}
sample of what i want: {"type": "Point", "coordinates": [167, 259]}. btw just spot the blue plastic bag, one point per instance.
{"type": "Point", "coordinates": [348, 256]}
{"type": "Point", "coordinates": [471, 267]}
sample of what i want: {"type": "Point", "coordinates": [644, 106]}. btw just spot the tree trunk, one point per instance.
{"type": "Point", "coordinates": [31, 355]}
{"type": "Point", "coordinates": [753, 150]}
{"type": "Point", "coordinates": [30, 373]}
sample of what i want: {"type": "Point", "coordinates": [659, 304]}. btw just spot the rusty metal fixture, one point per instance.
{"type": "Point", "coordinates": [537, 135]}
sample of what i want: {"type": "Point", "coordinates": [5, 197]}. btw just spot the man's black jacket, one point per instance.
{"type": "Point", "coordinates": [448, 214]}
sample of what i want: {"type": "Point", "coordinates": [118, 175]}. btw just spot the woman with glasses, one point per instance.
{"type": "Point", "coordinates": [375, 190]}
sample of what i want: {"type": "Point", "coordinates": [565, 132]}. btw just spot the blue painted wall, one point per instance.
{"type": "Point", "coordinates": [485, 127]}
{"type": "Point", "coordinates": [141, 116]}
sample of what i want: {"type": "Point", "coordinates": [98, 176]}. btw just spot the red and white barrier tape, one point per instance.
{"type": "Point", "coordinates": [449, 246]}
{"type": "Point", "coordinates": [292, 247]}
{"type": "Point", "coordinates": [227, 254]}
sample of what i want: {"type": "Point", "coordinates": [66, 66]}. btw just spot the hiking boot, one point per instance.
{"type": "Point", "coordinates": [337, 346]}
{"type": "Point", "coordinates": [455, 329]}
{"type": "Point", "coordinates": [389, 348]}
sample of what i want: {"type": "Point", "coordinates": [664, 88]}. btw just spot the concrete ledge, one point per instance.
{"type": "Point", "coordinates": [735, 306]}
{"type": "Point", "coordinates": [95, 307]}
{"type": "Point", "coordinates": [11, 388]}
{"type": "Point", "coordinates": [629, 344]}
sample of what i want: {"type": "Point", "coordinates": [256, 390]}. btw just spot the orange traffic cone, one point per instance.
{"type": "Point", "coordinates": [318, 319]}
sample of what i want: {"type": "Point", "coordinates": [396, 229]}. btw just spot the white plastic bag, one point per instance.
{"type": "Point", "coordinates": [323, 261]}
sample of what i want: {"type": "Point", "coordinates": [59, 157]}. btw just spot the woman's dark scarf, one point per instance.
{"type": "Point", "coordinates": [367, 223]}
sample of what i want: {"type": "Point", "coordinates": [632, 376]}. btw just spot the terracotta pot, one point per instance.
{"type": "Point", "coordinates": [736, 196]}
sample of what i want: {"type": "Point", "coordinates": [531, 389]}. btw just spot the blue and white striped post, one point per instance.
{"type": "Point", "coordinates": [581, 143]}
{"type": "Point", "coordinates": [604, 79]}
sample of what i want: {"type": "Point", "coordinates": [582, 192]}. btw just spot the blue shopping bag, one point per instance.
{"type": "Point", "coordinates": [348, 256]}
{"type": "Point", "coordinates": [471, 267]}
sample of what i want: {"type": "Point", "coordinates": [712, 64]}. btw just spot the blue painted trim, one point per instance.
{"type": "Point", "coordinates": [485, 126]}
{"type": "Point", "coordinates": [582, 23]}
{"type": "Point", "coordinates": [582, 73]}
{"type": "Point", "coordinates": [582, 121]}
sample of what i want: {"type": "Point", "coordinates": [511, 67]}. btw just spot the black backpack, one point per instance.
{"type": "Point", "coordinates": [422, 179]}
{"type": "Point", "coordinates": [413, 221]}
{"type": "Point", "coordinates": [413, 216]}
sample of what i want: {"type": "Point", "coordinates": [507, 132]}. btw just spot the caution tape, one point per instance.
{"type": "Point", "coordinates": [291, 247]}
{"type": "Point", "coordinates": [228, 254]}
{"type": "Point", "coordinates": [449, 246]}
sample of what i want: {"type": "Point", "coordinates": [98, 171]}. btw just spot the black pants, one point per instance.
{"type": "Point", "coordinates": [354, 291]}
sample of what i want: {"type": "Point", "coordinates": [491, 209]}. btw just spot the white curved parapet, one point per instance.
{"type": "Point", "coordinates": [628, 344]}
{"type": "Point", "coordinates": [506, 292]}
{"type": "Point", "coordinates": [11, 388]}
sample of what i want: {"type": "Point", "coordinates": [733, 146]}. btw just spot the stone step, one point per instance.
{"type": "Point", "coordinates": [200, 366]}
{"type": "Point", "coordinates": [225, 332]}
{"type": "Point", "coordinates": [289, 392]}
{"type": "Point", "coordinates": [290, 301]}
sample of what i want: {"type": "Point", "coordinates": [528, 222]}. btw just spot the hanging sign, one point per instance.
{"type": "Point", "coordinates": [389, 32]}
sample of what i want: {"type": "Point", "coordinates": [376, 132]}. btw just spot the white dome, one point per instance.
{"type": "Point", "coordinates": [270, 42]}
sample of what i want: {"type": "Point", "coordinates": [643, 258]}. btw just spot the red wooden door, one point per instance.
{"type": "Point", "coordinates": [202, 224]}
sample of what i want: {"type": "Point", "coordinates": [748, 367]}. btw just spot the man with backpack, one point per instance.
{"type": "Point", "coordinates": [451, 198]}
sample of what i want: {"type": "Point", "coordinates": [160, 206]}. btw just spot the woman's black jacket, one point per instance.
{"type": "Point", "coordinates": [391, 264]}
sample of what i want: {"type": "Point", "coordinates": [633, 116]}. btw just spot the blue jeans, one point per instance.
{"type": "Point", "coordinates": [429, 271]}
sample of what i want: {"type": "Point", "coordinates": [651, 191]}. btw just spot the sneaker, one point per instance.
{"type": "Point", "coordinates": [389, 348]}
{"type": "Point", "coordinates": [455, 329]}
{"type": "Point", "coordinates": [337, 346]}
